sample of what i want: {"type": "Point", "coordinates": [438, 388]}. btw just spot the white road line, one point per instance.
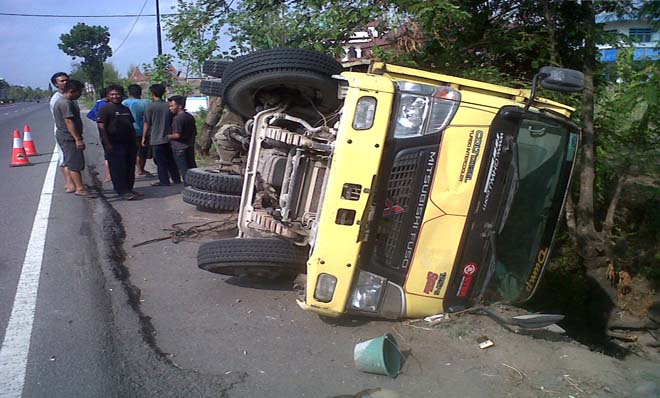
{"type": "Point", "coordinates": [16, 345]}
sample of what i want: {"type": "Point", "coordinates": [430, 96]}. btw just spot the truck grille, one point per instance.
{"type": "Point", "coordinates": [399, 193]}
{"type": "Point", "coordinates": [403, 203]}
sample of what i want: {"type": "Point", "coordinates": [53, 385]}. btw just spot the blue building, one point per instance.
{"type": "Point", "coordinates": [645, 34]}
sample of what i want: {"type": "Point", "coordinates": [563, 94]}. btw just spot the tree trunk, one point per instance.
{"type": "Point", "coordinates": [591, 243]}
{"type": "Point", "coordinates": [569, 213]}
{"type": "Point", "coordinates": [212, 118]}
{"type": "Point", "coordinates": [608, 224]}
{"type": "Point", "coordinates": [552, 36]}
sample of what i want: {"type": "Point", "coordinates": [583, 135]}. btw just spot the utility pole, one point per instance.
{"type": "Point", "coordinates": [160, 44]}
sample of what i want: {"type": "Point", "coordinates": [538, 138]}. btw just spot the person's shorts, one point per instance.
{"type": "Point", "coordinates": [74, 159]}
{"type": "Point", "coordinates": [144, 152]}
{"type": "Point", "coordinates": [60, 155]}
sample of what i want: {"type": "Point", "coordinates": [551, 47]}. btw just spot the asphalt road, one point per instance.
{"type": "Point", "coordinates": [70, 352]}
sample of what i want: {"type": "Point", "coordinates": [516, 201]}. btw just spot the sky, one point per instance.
{"type": "Point", "coordinates": [28, 45]}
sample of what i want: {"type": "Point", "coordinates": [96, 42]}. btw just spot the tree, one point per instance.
{"type": "Point", "coordinates": [91, 44]}
{"type": "Point", "coordinates": [111, 75]}
{"type": "Point", "coordinates": [159, 70]}
{"type": "Point", "coordinates": [306, 24]}
{"type": "Point", "coordinates": [194, 35]}
{"type": "Point", "coordinates": [77, 73]}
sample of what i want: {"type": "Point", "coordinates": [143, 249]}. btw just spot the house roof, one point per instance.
{"type": "Point", "coordinates": [137, 76]}
{"type": "Point", "coordinates": [605, 17]}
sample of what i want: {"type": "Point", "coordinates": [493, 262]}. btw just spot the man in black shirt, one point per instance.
{"type": "Point", "coordinates": [183, 135]}
{"type": "Point", "coordinates": [116, 125]}
{"type": "Point", "coordinates": [158, 126]}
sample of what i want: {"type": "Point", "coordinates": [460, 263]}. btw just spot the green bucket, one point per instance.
{"type": "Point", "coordinates": [379, 355]}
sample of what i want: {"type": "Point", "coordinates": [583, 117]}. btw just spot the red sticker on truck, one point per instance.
{"type": "Point", "coordinates": [466, 279]}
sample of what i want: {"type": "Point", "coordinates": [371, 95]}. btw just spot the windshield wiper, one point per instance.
{"type": "Point", "coordinates": [513, 184]}
{"type": "Point", "coordinates": [489, 233]}
{"type": "Point", "coordinates": [489, 230]}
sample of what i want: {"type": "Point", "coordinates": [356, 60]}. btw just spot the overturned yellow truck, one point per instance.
{"type": "Point", "coordinates": [398, 192]}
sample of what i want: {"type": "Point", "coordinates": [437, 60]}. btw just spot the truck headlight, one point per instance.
{"type": "Point", "coordinates": [364, 113]}
{"type": "Point", "coordinates": [424, 109]}
{"type": "Point", "coordinates": [413, 111]}
{"type": "Point", "coordinates": [367, 292]}
{"type": "Point", "coordinates": [325, 288]}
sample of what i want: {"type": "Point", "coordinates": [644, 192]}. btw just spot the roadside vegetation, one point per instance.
{"type": "Point", "coordinates": [20, 93]}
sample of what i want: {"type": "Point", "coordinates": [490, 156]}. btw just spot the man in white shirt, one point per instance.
{"type": "Point", "coordinates": [59, 79]}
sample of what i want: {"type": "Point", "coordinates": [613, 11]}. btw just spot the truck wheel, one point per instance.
{"type": "Point", "coordinates": [215, 67]}
{"type": "Point", "coordinates": [211, 87]}
{"type": "Point", "coordinates": [263, 258]}
{"type": "Point", "coordinates": [210, 200]}
{"type": "Point", "coordinates": [214, 181]}
{"type": "Point", "coordinates": [297, 77]}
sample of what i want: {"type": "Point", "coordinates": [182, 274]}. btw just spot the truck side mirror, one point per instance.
{"type": "Point", "coordinates": [557, 79]}
{"type": "Point", "coordinates": [560, 79]}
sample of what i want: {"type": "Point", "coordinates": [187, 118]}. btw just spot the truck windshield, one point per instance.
{"type": "Point", "coordinates": [546, 150]}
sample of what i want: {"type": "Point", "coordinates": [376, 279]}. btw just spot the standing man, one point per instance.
{"type": "Point", "coordinates": [59, 79]}
{"type": "Point", "coordinates": [69, 134]}
{"type": "Point", "coordinates": [183, 135]}
{"type": "Point", "coordinates": [137, 105]}
{"type": "Point", "coordinates": [116, 125]}
{"type": "Point", "coordinates": [93, 115]}
{"type": "Point", "coordinates": [157, 126]}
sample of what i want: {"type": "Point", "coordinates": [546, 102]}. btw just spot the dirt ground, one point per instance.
{"type": "Point", "coordinates": [216, 325]}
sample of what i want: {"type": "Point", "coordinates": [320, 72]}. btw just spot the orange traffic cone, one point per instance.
{"type": "Point", "coordinates": [30, 148]}
{"type": "Point", "coordinates": [18, 156]}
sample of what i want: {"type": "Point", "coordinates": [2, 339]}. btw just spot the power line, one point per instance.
{"type": "Point", "coordinates": [131, 29]}
{"type": "Point", "coordinates": [81, 16]}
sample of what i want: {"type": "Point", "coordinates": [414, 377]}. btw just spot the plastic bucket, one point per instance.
{"type": "Point", "coordinates": [379, 355]}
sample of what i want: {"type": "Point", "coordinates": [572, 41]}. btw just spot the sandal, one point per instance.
{"type": "Point", "coordinates": [86, 194]}
{"type": "Point", "coordinates": [129, 196]}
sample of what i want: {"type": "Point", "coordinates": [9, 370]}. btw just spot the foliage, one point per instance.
{"type": "Point", "coordinates": [110, 74]}
{"type": "Point", "coordinates": [255, 24]}
{"type": "Point", "coordinates": [159, 70]}
{"type": "Point", "coordinates": [184, 89]}
{"type": "Point", "coordinates": [313, 24]}
{"type": "Point", "coordinates": [628, 119]}
{"type": "Point", "coordinates": [22, 93]}
{"type": "Point", "coordinates": [91, 44]}
{"type": "Point", "coordinates": [77, 73]}
{"type": "Point", "coordinates": [193, 34]}
{"type": "Point", "coordinates": [200, 118]}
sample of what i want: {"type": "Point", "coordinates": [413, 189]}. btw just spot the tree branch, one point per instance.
{"type": "Point", "coordinates": [608, 224]}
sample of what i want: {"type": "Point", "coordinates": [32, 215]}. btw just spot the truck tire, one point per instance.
{"type": "Point", "coordinates": [296, 76]}
{"type": "Point", "coordinates": [211, 87]}
{"type": "Point", "coordinates": [268, 258]}
{"type": "Point", "coordinates": [214, 181]}
{"type": "Point", "coordinates": [211, 200]}
{"type": "Point", "coordinates": [215, 67]}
